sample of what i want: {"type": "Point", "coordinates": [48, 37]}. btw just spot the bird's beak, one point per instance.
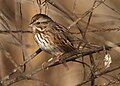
{"type": "Point", "coordinates": [30, 25]}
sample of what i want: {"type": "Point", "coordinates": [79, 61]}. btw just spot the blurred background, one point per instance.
{"type": "Point", "coordinates": [19, 14]}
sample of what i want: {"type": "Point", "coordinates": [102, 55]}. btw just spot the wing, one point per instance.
{"type": "Point", "coordinates": [62, 37]}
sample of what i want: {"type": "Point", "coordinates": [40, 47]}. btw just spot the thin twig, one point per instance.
{"type": "Point", "coordinates": [93, 70]}
{"type": "Point", "coordinates": [39, 5]}
{"type": "Point", "coordinates": [85, 14]}
{"type": "Point", "coordinates": [100, 74]}
{"type": "Point", "coordinates": [21, 65]}
{"type": "Point", "coordinates": [66, 14]}
{"type": "Point", "coordinates": [15, 31]}
{"type": "Point", "coordinates": [89, 19]}
{"type": "Point", "coordinates": [69, 57]}
{"type": "Point", "coordinates": [8, 55]}
{"type": "Point", "coordinates": [116, 11]}
{"type": "Point", "coordinates": [85, 64]}
{"type": "Point", "coordinates": [8, 27]}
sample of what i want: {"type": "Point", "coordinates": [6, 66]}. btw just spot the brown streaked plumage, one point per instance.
{"type": "Point", "coordinates": [50, 36]}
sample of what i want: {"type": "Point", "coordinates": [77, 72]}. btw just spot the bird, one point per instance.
{"type": "Point", "coordinates": [52, 37]}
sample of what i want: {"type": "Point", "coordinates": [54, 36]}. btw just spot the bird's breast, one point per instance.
{"type": "Point", "coordinates": [44, 41]}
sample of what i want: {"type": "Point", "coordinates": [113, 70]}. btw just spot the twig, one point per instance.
{"type": "Point", "coordinates": [66, 14]}
{"type": "Point", "coordinates": [15, 31]}
{"type": "Point", "coordinates": [8, 27]}
{"type": "Point", "coordinates": [116, 11]}
{"type": "Point", "coordinates": [70, 57]}
{"type": "Point", "coordinates": [74, 6]}
{"type": "Point", "coordinates": [85, 64]}
{"type": "Point", "coordinates": [8, 55]}
{"type": "Point", "coordinates": [85, 14]}
{"type": "Point", "coordinates": [93, 70]}
{"type": "Point", "coordinates": [21, 65]}
{"type": "Point", "coordinates": [18, 18]}
{"type": "Point", "coordinates": [100, 74]}
{"type": "Point", "coordinates": [84, 68]}
{"type": "Point", "coordinates": [20, 78]}
{"type": "Point", "coordinates": [89, 19]}
{"type": "Point", "coordinates": [39, 5]}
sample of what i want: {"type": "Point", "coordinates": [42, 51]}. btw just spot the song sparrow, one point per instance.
{"type": "Point", "coordinates": [51, 36]}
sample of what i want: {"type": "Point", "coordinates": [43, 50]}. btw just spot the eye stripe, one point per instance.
{"type": "Point", "coordinates": [38, 23]}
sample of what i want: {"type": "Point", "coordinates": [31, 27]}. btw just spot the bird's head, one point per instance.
{"type": "Point", "coordinates": [40, 21]}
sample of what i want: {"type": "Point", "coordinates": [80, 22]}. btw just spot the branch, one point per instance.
{"type": "Point", "coordinates": [14, 31]}
{"type": "Point", "coordinates": [68, 58]}
{"type": "Point", "coordinates": [21, 65]}
{"type": "Point", "coordinates": [100, 74]}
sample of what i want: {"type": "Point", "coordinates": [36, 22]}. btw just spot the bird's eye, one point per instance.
{"type": "Point", "coordinates": [38, 23]}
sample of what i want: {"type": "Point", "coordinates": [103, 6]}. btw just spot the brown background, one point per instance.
{"type": "Point", "coordinates": [59, 75]}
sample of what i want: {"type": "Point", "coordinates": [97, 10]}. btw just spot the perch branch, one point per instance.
{"type": "Point", "coordinates": [68, 58]}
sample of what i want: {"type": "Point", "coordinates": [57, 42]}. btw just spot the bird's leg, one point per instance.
{"type": "Point", "coordinates": [45, 65]}
{"type": "Point", "coordinates": [54, 60]}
